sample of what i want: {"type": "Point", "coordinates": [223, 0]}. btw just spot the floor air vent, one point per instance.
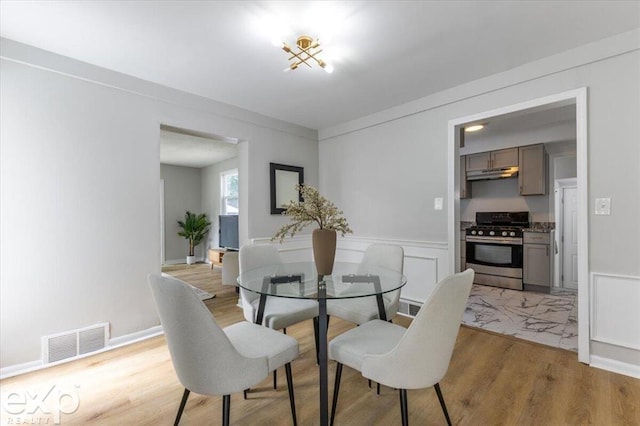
{"type": "Point", "coordinates": [71, 344]}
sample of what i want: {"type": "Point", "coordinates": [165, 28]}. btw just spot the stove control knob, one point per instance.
{"type": "Point", "coordinates": [480, 232]}
{"type": "Point", "coordinates": [473, 232]}
{"type": "Point", "coordinates": [492, 233]}
{"type": "Point", "coordinates": [512, 234]}
{"type": "Point", "coordinates": [505, 233]}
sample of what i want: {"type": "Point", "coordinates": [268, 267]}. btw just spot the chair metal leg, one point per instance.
{"type": "Point", "coordinates": [336, 388]}
{"type": "Point", "coordinates": [316, 336]}
{"type": "Point", "coordinates": [226, 406]}
{"type": "Point", "coordinates": [292, 401]}
{"type": "Point", "coordinates": [275, 379]}
{"type": "Point", "coordinates": [378, 388]}
{"type": "Point", "coordinates": [442, 404]}
{"type": "Point", "coordinates": [404, 410]}
{"type": "Point", "coordinates": [185, 396]}
{"type": "Point", "coordinates": [244, 393]}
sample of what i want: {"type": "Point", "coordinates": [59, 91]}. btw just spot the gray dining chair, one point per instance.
{"type": "Point", "coordinates": [210, 360]}
{"type": "Point", "coordinates": [413, 358]}
{"type": "Point", "coordinates": [279, 312]}
{"type": "Point", "coordinates": [363, 309]}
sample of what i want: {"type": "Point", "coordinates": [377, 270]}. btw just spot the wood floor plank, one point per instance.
{"type": "Point", "coordinates": [492, 380]}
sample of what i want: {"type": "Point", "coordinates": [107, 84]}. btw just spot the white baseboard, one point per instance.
{"type": "Point", "coordinates": [615, 366]}
{"type": "Point", "coordinates": [28, 367]}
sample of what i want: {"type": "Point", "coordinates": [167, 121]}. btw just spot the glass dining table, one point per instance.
{"type": "Point", "coordinates": [301, 281]}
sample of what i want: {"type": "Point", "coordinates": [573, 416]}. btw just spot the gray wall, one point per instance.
{"type": "Point", "coordinates": [405, 165]}
{"type": "Point", "coordinates": [384, 170]}
{"type": "Point", "coordinates": [181, 192]}
{"type": "Point", "coordinates": [80, 165]}
{"type": "Point", "coordinates": [503, 195]}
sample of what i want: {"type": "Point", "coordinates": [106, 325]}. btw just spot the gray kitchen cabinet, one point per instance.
{"type": "Point", "coordinates": [479, 161]}
{"type": "Point", "coordinates": [536, 267]}
{"type": "Point", "coordinates": [465, 185]}
{"type": "Point", "coordinates": [504, 158]}
{"type": "Point", "coordinates": [492, 159]}
{"type": "Point", "coordinates": [532, 174]}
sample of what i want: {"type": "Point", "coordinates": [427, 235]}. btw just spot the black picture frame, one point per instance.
{"type": "Point", "coordinates": [283, 179]}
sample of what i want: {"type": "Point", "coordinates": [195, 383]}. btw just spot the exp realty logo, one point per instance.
{"type": "Point", "coordinates": [40, 407]}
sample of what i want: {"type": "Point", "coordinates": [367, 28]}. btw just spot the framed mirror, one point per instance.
{"type": "Point", "coordinates": [283, 185]}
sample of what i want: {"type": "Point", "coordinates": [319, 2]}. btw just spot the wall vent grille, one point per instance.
{"type": "Point", "coordinates": [408, 308]}
{"type": "Point", "coordinates": [71, 344]}
{"type": "Point", "coordinates": [413, 309]}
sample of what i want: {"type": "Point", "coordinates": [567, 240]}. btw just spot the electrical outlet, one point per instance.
{"type": "Point", "coordinates": [603, 206]}
{"type": "Point", "coordinates": [437, 203]}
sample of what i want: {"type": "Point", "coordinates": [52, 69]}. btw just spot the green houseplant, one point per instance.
{"type": "Point", "coordinates": [315, 209]}
{"type": "Point", "coordinates": [194, 228]}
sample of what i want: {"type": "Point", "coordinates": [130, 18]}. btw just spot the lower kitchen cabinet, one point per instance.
{"type": "Point", "coordinates": [536, 268]}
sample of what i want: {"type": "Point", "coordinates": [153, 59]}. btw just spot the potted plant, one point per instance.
{"type": "Point", "coordinates": [315, 209]}
{"type": "Point", "coordinates": [194, 228]}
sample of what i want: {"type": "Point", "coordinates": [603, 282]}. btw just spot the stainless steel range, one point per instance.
{"type": "Point", "coordinates": [494, 248]}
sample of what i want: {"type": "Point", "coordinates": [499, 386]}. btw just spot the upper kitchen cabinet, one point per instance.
{"type": "Point", "coordinates": [492, 159]}
{"type": "Point", "coordinates": [532, 176]}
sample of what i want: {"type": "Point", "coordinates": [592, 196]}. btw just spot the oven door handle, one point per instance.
{"type": "Point", "coordinates": [493, 240]}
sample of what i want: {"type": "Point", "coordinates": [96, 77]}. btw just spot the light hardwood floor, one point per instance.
{"type": "Point", "coordinates": [492, 380]}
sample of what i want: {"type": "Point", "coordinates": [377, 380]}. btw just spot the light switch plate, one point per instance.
{"type": "Point", "coordinates": [603, 206]}
{"type": "Point", "coordinates": [437, 203]}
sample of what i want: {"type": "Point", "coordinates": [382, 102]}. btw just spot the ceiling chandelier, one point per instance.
{"type": "Point", "coordinates": [305, 51]}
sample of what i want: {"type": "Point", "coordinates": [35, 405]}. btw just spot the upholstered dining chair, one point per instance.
{"type": "Point", "coordinates": [413, 358]}
{"type": "Point", "coordinates": [210, 360]}
{"type": "Point", "coordinates": [279, 312]}
{"type": "Point", "coordinates": [364, 309]}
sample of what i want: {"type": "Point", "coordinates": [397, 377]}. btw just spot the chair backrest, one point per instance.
{"type": "Point", "coordinates": [387, 256]}
{"type": "Point", "coordinates": [390, 257]}
{"type": "Point", "coordinates": [421, 357]}
{"type": "Point", "coordinates": [204, 358]}
{"type": "Point", "coordinates": [251, 257]}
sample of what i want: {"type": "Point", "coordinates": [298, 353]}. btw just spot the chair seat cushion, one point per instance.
{"type": "Point", "coordinates": [373, 337]}
{"type": "Point", "coordinates": [255, 341]}
{"type": "Point", "coordinates": [358, 310]}
{"type": "Point", "coordinates": [281, 312]}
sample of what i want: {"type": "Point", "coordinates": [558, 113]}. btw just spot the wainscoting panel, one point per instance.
{"type": "Point", "coordinates": [425, 263]}
{"type": "Point", "coordinates": [615, 310]}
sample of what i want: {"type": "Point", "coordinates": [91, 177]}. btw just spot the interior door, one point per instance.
{"type": "Point", "coordinates": [570, 238]}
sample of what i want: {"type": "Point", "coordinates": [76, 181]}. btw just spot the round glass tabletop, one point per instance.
{"type": "Point", "coordinates": [300, 281]}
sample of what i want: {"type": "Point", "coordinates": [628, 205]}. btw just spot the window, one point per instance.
{"type": "Point", "coordinates": [229, 192]}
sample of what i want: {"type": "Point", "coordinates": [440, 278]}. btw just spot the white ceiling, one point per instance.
{"type": "Point", "coordinates": [180, 148]}
{"type": "Point", "coordinates": [385, 53]}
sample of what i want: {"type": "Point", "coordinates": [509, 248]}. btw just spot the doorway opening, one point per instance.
{"type": "Point", "coordinates": [575, 99]}
{"type": "Point", "coordinates": [192, 165]}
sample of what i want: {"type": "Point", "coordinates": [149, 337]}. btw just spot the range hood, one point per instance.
{"type": "Point", "coordinates": [501, 173]}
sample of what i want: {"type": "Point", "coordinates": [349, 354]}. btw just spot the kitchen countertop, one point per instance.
{"type": "Point", "coordinates": [540, 227]}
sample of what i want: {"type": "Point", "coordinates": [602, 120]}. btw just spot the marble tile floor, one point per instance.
{"type": "Point", "coordinates": [549, 319]}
